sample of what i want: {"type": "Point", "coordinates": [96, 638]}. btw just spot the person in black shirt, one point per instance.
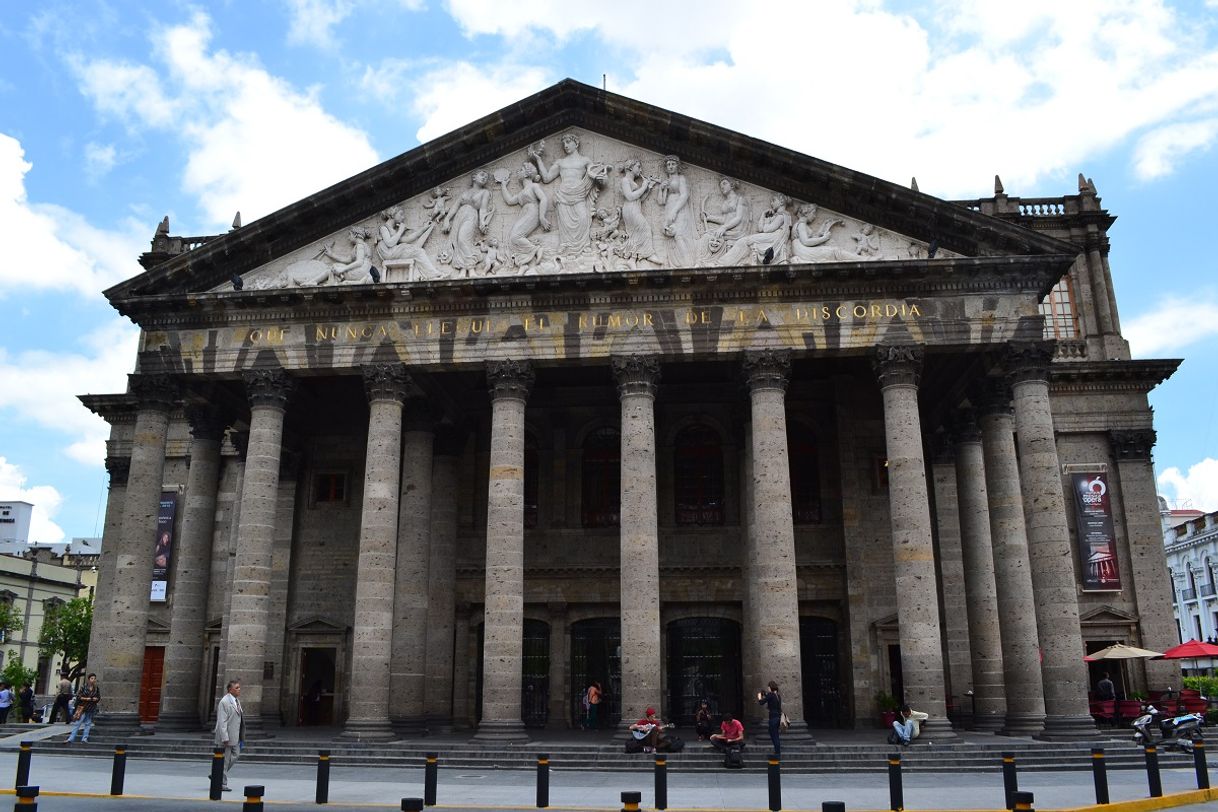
{"type": "Point", "coordinates": [773, 702]}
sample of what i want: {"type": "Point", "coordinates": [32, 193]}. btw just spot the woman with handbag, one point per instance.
{"type": "Point", "coordinates": [773, 702]}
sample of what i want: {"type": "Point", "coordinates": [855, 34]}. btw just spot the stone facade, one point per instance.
{"type": "Point", "coordinates": [761, 418]}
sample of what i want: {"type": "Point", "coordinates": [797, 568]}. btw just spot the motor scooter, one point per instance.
{"type": "Point", "coordinates": [1175, 732]}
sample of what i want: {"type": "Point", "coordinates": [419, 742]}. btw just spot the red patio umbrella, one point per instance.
{"type": "Point", "coordinates": [1192, 650]}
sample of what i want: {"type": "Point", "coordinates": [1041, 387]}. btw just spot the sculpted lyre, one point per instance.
{"type": "Point", "coordinates": [813, 247]}
{"type": "Point", "coordinates": [402, 249]}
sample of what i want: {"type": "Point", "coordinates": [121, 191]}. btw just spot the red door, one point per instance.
{"type": "Point", "coordinates": [150, 683]}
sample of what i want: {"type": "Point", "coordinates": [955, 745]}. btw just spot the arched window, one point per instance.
{"type": "Point", "coordinates": [698, 475]}
{"type": "Point", "coordinates": [805, 474]}
{"type": "Point", "coordinates": [530, 483]}
{"type": "Point", "coordinates": [602, 478]}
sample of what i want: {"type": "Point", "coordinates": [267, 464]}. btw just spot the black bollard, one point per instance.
{"type": "Point", "coordinates": [412, 805]}
{"type": "Point", "coordinates": [1024, 802]}
{"type": "Point", "coordinates": [833, 806]}
{"type": "Point", "coordinates": [543, 780]}
{"type": "Point", "coordinates": [253, 798]}
{"type": "Point", "coordinates": [24, 755]}
{"type": "Point", "coordinates": [217, 774]}
{"type": "Point", "coordinates": [1010, 779]}
{"type": "Point", "coordinates": [1199, 764]}
{"type": "Point", "coordinates": [27, 798]}
{"type": "Point", "coordinates": [896, 790]}
{"type": "Point", "coordinates": [631, 801]}
{"type": "Point", "coordinates": [775, 771]}
{"type": "Point", "coordinates": [430, 776]}
{"type": "Point", "coordinates": [661, 782]}
{"type": "Point", "coordinates": [1153, 780]}
{"type": "Point", "coordinates": [1099, 771]}
{"type": "Point", "coordinates": [323, 776]}
{"type": "Point", "coordinates": [118, 772]}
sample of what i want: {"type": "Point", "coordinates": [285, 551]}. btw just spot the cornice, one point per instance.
{"type": "Point", "coordinates": [1091, 377]}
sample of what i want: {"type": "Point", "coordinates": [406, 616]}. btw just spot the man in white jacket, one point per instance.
{"type": "Point", "coordinates": [229, 719]}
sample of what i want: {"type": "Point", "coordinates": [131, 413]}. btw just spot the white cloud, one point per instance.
{"type": "Point", "coordinates": [45, 499]}
{"type": "Point", "coordinates": [1197, 489]}
{"type": "Point", "coordinates": [1160, 150]}
{"type": "Point", "coordinates": [1174, 323]}
{"type": "Point", "coordinates": [51, 247]}
{"type": "Point", "coordinates": [99, 159]}
{"type": "Point", "coordinates": [312, 22]}
{"type": "Point", "coordinates": [255, 143]}
{"type": "Point", "coordinates": [45, 386]}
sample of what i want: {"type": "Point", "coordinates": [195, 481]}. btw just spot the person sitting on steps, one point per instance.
{"type": "Point", "coordinates": [730, 735]}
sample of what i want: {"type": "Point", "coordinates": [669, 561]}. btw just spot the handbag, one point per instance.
{"type": "Point", "coordinates": [784, 722]}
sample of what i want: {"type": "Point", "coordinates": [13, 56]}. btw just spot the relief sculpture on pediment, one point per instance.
{"type": "Point", "coordinates": [598, 206]}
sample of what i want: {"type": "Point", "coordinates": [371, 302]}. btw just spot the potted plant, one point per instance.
{"type": "Point", "coordinates": [888, 708]}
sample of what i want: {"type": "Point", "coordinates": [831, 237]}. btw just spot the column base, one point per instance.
{"type": "Point", "coordinates": [1069, 728]}
{"type": "Point", "coordinates": [412, 726]}
{"type": "Point", "coordinates": [798, 733]}
{"type": "Point", "coordinates": [179, 723]}
{"type": "Point", "coordinates": [502, 732]}
{"type": "Point", "coordinates": [1023, 724]}
{"type": "Point", "coordinates": [438, 725]}
{"type": "Point", "coordinates": [368, 730]}
{"type": "Point", "coordinates": [937, 730]}
{"type": "Point", "coordinates": [988, 722]}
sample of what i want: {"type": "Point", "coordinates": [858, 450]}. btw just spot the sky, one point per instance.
{"type": "Point", "coordinates": [116, 114]}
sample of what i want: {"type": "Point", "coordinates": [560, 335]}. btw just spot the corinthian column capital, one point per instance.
{"type": "Point", "coordinates": [767, 369]}
{"type": "Point", "coordinates": [206, 422]}
{"type": "Point", "coordinates": [268, 386]}
{"type": "Point", "coordinates": [963, 427]}
{"type": "Point", "coordinates": [636, 374]}
{"type": "Point", "coordinates": [386, 382]}
{"type": "Point", "coordinates": [153, 391]}
{"type": "Point", "coordinates": [1132, 444]}
{"type": "Point", "coordinates": [1028, 360]}
{"type": "Point", "coordinates": [991, 396]}
{"type": "Point", "coordinates": [118, 468]}
{"type": "Point", "coordinates": [510, 379]}
{"type": "Point", "coordinates": [898, 364]}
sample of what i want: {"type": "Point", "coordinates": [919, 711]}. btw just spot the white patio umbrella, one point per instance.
{"type": "Point", "coordinates": [1120, 651]}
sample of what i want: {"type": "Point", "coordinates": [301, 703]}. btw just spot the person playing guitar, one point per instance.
{"type": "Point", "coordinates": [647, 730]}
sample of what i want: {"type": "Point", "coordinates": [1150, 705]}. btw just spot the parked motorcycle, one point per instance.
{"type": "Point", "coordinates": [1175, 732]}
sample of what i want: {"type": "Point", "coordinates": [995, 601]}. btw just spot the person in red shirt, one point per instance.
{"type": "Point", "coordinates": [647, 730]}
{"type": "Point", "coordinates": [730, 735]}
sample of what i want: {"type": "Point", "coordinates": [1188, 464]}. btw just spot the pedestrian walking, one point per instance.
{"type": "Point", "coordinates": [230, 721]}
{"type": "Point", "coordinates": [86, 705]}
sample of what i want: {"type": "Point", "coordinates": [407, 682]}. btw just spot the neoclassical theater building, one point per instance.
{"type": "Point", "coordinates": [589, 390]}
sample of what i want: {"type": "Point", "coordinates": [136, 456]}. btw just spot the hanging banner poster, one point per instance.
{"type": "Point", "coordinates": [1096, 539]}
{"type": "Point", "coordinates": [164, 546]}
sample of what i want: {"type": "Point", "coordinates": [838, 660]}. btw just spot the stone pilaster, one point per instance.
{"type": "Point", "coordinates": [637, 377]}
{"type": "Point", "coordinates": [268, 389]}
{"type": "Point", "coordinates": [410, 613]}
{"type": "Point", "coordinates": [560, 655]}
{"type": "Point", "coordinates": [227, 566]}
{"type": "Point", "coordinates": [1147, 568]}
{"type": "Point", "coordinates": [462, 688]}
{"type": "Point", "coordinates": [1049, 545]}
{"type": "Point", "coordinates": [442, 686]}
{"type": "Point", "coordinates": [503, 628]}
{"type": "Point", "coordinates": [898, 369]}
{"type": "Point", "coordinates": [122, 667]}
{"type": "Point", "coordinates": [772, 566]}
{"type": "Point", "coordinates": [1025, 693]}
{"type": "Point", "coordinates": [118, 468]}
{"type": "Point", "coordinates": [988, 704]}
{"type": "Point", "coordinates": [373, 631]}
{"type": "Point", "coordinates": [192, 573]}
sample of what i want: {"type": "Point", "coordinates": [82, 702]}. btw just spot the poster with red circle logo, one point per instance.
{"type": "Point", "coordinates": [1096, 539]}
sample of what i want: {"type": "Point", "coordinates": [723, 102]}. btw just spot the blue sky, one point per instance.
{"type": "Point", "coordinates": [112, 116]}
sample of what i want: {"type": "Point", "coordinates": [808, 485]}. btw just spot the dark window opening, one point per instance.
{"type": "Point", "coordinates": [530, 486]}
{"type": "Point", "coordinates": [602, 478]}
{"type": "Point", "coordinates": [805, 475]}
{"type": "Point", "coordinates": [698, 471]}
{"type": "Point", "coordinates": [329, 486]}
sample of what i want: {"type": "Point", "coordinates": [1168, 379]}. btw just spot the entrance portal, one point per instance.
{"type": "Point", "coordinates": [316, 686]}
{"type": "Point", "coordinates": [822, 685]}
{"type": "Point", "coordinates": [596, 654]}
{"type": "Point", "coordinates": [703, 663]}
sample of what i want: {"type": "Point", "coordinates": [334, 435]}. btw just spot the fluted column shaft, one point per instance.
{"type": "Point", "coordinates": [249, 604]}
{"type": "Point", "coordinates": [127, 627]}
{"type": "Point", "coordinates": [977, 554]}
{"type": "Point", "coordinates": [442, 685]}
{"type": "Point", "coordinates": [410, 612]}
{"type": "Point", "coordinates": [192, 574]}
{"type": "Point", "coordinates": [637, 378]}
{"type": "Point", "coordinates": [373, 632]}
{"type": "Point", "coordinates": [898, 369]}
{"type": "Point", "coordinates": [1049, 545]}
{"type": "Point", "coordinates": [503, 629]}
{"type": "Point", "coordinates": [1025, 695]}
{"type": "Point", "coordinates": [118, 469]}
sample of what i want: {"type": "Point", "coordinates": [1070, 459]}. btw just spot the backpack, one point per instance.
{"type": "Point", "coordinates": [733, 759]}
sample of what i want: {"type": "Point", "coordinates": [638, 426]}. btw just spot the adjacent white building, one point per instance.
{"type": "Point", "coordinates": [1190, 541]}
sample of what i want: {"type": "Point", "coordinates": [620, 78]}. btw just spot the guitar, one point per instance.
{"type": "Point", "coordinates": [646, 731]}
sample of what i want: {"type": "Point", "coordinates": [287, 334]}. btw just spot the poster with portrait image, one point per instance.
{"type": "Point", "coordinates": [163, 555]}
{"type": "Point", "coordinates": [1096, 539]}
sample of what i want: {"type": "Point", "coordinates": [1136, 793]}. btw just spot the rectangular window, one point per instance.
{"type": "Point", "coordinates": [1197, 627]}
{"type": "Point", "coordinates": [1058, 309]}
{"type": "Point", "coordinates": [329, 487]}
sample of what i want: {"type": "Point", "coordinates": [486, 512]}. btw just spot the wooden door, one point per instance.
{"type": "Point", "coordinates": [150, 683]}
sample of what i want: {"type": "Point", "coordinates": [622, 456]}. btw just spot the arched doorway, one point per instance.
{"type": "Point", "coordinates": [703, 663]}
{"type": "Point", "coordinates": [534, 673]}
{"type": "Point", "coordinates": [822, 684]}
{"type": "Point", "coordinates": [596, 654]}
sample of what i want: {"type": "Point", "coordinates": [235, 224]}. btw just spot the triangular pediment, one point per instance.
{"type": "Point", "coordinates": [427, 215]}
{"type": "Point", "coordinates": [316, 625]}
{"type": "Point", "coordinates": [1106, 616]}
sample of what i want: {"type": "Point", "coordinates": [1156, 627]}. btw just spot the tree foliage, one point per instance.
{"type": "Point", "coordinates": [65, 633]}
{"type": "Point", "coordinates": [15, 673]}
{"type": "Point", "coordinates": [10, 620]}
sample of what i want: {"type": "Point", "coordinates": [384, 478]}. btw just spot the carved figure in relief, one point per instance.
{"type": "Point", "coordinates": [438, 205]}
{"type": "Point", "coordinates": [868, 241]}
{"type": "Point", "coordinates": [579, 178]}
{"type": "Point", "coordinates": [355, 268]}
{"type": "Point", "coordinates": [400, 249]}
{"type": "Point", "coordinates": [491, 261]}
{"type": "Point", "coordinates": [678, 215]}
{"type": "Point", "coordinates": [916, 250]}
{"type": "Point", "coordinates": [810, 246]}
{"type": "Point", "coordinates": [639, 245]}
{"type": "Point", "coordinates": [773, 234]}
{"type": "Point", "coordinates": [731, 217]}
{"type": "Point", "coordinates": [534, 211]}
{"type": "Point", "coordinates": [305, 273]}
{"type": "Point", "coordinates": [608, 240]}
{"type": "Point", "coordinates": [467, 222]}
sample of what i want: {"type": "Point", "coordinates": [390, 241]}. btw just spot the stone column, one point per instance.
{"type": "Point", "coordinates": [1147, 568]}
{"type": "Point", "coordinates": [1099, 284]}
{"type": "Point", "coordinates": [504, 598]}
{"type": "Point", "coordinates": [898, 369]}
{"type": "Point", "coordinates": [1025, 693]}
{"type": "Point", "coordinates": [637, 377]}
{"type": "Point", "coordinates": [952, 593]}
{"type": "Point", "coordinates": [410, 614]}
{"type": "Point", "coordinates": [988, 704]}
{"type": "Point", "coordinates": [118, 468]}
{"type": "Point", "coordinates": [249, 605]}
{"type": "Point", "coordinates": [224, 569]}
{"type": "Point", "coordinates": [442, 686]}
{"type": "Point", "coordinates": [753, 715]}
{"type": "Point", "coordinates": [127, 627]}
{"type": "Point", "coordinates": [192, 573]}
{"type": "Point", "coordinates": [373, 630]}
{"type": "Point", "coordinates": [462, 687]}
{"type": "Point", "coordinates": [1049, 545]}
{"type": "Point", "coordinates": [560, 691]}
{"type": "Point", "coordinates": [773, 532]}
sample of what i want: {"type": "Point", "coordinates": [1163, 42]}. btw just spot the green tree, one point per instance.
{"type": "Point", "coordinates": [10, 621]}
{"type": "Point", "coordinates": [65, 634]}
{"type": "Point", "coordinates": [15, 673]}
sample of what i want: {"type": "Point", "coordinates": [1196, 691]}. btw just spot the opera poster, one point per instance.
{"type": "Point", "coordinates": [163, 555]}
{"type": "Point", "coordinates": [1096, 539]}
